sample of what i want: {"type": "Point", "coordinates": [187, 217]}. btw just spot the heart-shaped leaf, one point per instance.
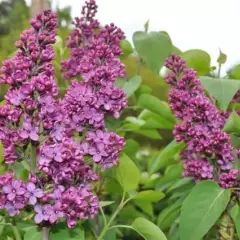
{"type": "Point", "coordinates": [153, 47]}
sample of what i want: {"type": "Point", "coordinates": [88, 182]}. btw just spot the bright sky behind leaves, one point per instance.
{"type": "Point", "coordinates": [202, 24]}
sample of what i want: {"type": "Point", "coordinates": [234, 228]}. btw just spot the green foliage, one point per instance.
{"type": "Point", "coordinates": [235, 214]}
{"type": "Point", "coordinates": [199, 60]}
{"type": "Point", "coordinates": [126, 47]}
{"type": "Point", "coordinates": [222, 89]}
{"type": "Point", "coordinates": [222, 57]}
{"type": "Point", "coordinates": [235, 72]}
{"type": "Point", "coordinates": [61, 232]}
{"type": "Point", "coordinates": [168, 152]}
{"type": "Point", "coordinates": [153, 48]}
{"type": "Point", "coordinates": [33, 234]}
{"type": "Point", "coordinates": [232, 124]}
{"type": "Point", "coordinates": [131, 85]}
{"type": "Point", "coordinates": [201, 209]}
{"type": "Point", "coordinates": [150, 195]}
{"type": "Point", "coordinates": [153, 104]}
{"type": "Point", "coordinates": [127, 173]}
{"type": "Point", "coordinates": [148, 230]}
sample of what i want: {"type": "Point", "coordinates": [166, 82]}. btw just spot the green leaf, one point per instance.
{"type": "Point", "coordinates": [105, 203]}
{"type": "Point", "coordinates": [222, 57]}
{"type": "Point", "coordinates": [155, 105]}
{"type": "Point", "coordinates": [110, 235]}
{"type": "Point", "coordinates": [148, 230]}
{"type": "Point", "coordinates": [146, 26]}
{"type": "Point", "coordinates": [132, 85]}
{"type": "Point", "coordinates": [131, 148]}
{"type": "Point", "coordinates": [154, 120]}
{"type": "Point", "coordinates": [127, 173]}
{"type": "Point", "coordinates": [168, 152]}
{"type": "Point", "coordinates": [136, 126]}
{"type": "Point", "coordinates": [222, 89]}
{"type": "Point", "coordinates": [173, 172]}
{"type": "Point", "coordinates": [145, 206]}
{"type": "Point", "coordinates": [150, 195]}
{"type": "Point", "coordinates": [153, 48]}
{"type": "Point", "coordinates": [165, 218]}
{"type": "Point", "coordinates": [126, 47]}
{"type": "Point", "coordinates": [169, 219]}
{"type": "Point", "coordinates": [235, 72]}
{"type": "Point", "coordinates": [150, 133]}
{"type": "Point", "coordinates": [2, 222]}
{"type": "Point", "coordinates": [33, 234]}
{"type": "Point", "coordinates": [232, 124]}
{"type": "Point", "coordinates": [235, 214]}
{"type": "Point", "coordinates": [61, 232]}
{"type": "Point", "coordinates": [197, 59]}
{"type": "Point", "coordinates": [180, 183]}
{"type": "Point", "coordinates": [20, 171]}
{"type": "Point", "coordinates": [201, 209]}
{"type": "Point", "coordinates": [120, 82]}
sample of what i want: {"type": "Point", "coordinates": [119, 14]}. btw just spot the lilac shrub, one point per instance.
{"type": "Point", "coordinates": [60, 140]}
{"type": "Point", "coordinates": [208, 153]}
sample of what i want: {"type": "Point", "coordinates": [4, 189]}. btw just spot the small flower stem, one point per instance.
{"type": "Point", "coordinates": [16, 232]}
{"type": "Point", "coordinates": [34, 158]}
{"type": "Point", "coordinates": [107, 226]}
{"type": "Point", "coordinates": [103, 215]}
{"type": "Point", "coordinates": [45, 233]}
{"type": "Point", "coordinates": [219, 70]}
{"type": "Point", "coordinates": [120, 226]}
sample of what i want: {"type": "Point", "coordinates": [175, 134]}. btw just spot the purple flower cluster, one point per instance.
{"type": "Point", "coordinates": [94, 57]}
{"type": "Point", "coordinates": [208, 154]}
{"type": "Point", "coordinates": [15, 194]}
{"type": "Point", "coordinates": [60, 139]}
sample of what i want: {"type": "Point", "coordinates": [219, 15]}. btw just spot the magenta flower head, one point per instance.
{"type": "Point", "coordinates": [42, 131]}
{"type": "Point", "coordinates": [208, 153]}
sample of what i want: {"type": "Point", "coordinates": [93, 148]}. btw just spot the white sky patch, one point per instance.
{"type": "Point", "coordinates": [202, 24]}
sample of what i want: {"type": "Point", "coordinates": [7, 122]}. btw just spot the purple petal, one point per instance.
{"type": "Point", "coordinates": [75, 118]}
{"type": "Point", "coordinates": [38, 218]}
{"type": "Point", "coordinates": [53, 218]}
{"type": "Point", "coordinates": [16, 184]}
{"type": "Point", "coordinates": [38, 209]}
{"type": "Point", "coordinates": [31, 187]}
{"type": "Point", "coordinates": [46, 217]}
{"type": "Point", "coordinates": [34, 136]}
{"type": "Point", "coordinates": [92, 151]}
{"type": "Point", "coordinates": [20, 191]}
{"type": "Point", "coordinates": [12, 212]}
{"type": "Point", "coordinates": [50, 108]}
{"type": "Point", "coordinates": [23, 134]}
{"type": "Point", "coordinates": [7, 189]}
{"type": "Point", "coordinates": [32, 200]}
{"type": "Point", "coordinates": [97, 158]}
{"type": "Point", "coordinates": [58, 158]}
{"type": "Point", "coordinates": [11, 196]}
{"type": "Point", "coordinates": [38, 193]}
{"type": "Point", "coordinates": [100, 146]}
